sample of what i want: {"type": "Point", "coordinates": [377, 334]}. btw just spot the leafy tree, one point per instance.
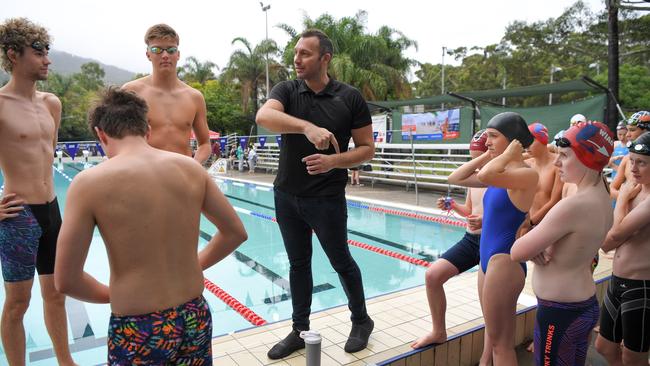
{"type": "Point", "coordinates": [195, 71]}
{"type": "Point", "coordinates": [224, 112]}
{"type": "Point", "coordinates": [373, 63]}
{"type": "Point", "coordinates": [91, 76]}
{"type": "Point", "coordinates": [247, 69]}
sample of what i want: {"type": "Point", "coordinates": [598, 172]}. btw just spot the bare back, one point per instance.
{"type": "Point", "coordinates": [28, 131]}
{"type": "Point", "coordinates": [172, 114]}
{"type": "Point", "coordinates": [631, 258]}
{"type": "Point", "coordinates": [572, 254]}
{"type": "Point", "coordinates": [149, 220]}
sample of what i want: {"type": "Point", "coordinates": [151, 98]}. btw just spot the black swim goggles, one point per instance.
{"type": "Point", "coordinates": [40, 46]}
{"type": "Point", "coordinates": [639, 148]}
{"type": "Point", "coordinates": [562, 142]}
{"type": "Point", "coordinates": [158, 50]}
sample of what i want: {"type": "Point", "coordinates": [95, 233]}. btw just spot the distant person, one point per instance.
{"type": "Point", "coordinates": [159, 316]}
{"type": "Point", "coordinates": [575, 119]}
{"type": "Point", "coordinates": [637, 124]}
{"type": "Point", "coordinates": [572, 231]}
{"type": "Point", "coordinates": [216, 150]}
{"type": "Point", "coordinates": [174, 107]}
{"type": "Point", "coordinates": [252, 159]}
{"type": "Point", "coordinates": [549, 186]}
{"type": "Point", "coordinates": [625, 313]}
{"type": "Point", "coordinates": [620, 148]}
{"type": "Point", "coordinates": [461, 257]}
{"type": "Point", "coordinates": [29, 211]}
{"type": "Point", "coordinates": [239, 153]}
{"type": "Point", "coordinates": [511, 187]}
{"type": "Point", "coordinates": [310, 184]}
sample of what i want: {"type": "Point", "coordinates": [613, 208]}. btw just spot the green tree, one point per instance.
{"type": "Point", "coordinates": [195, 71]}
{"type": "Point", "coordinates": [91, 76]}
{"type": "Point", "coordinates": [224, 112]}
{"type": "Point", "coordinates": [373, 63]}
{"type": "Point", "coordinates": [247, 69]}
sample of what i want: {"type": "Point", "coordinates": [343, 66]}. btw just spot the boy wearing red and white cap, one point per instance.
{"type": "Point", "coordinates": [573, 231]}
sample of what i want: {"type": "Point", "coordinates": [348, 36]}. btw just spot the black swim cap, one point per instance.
{"type": "Point", "coordinates": [512, 126]}
{"type": "Point", "coordinates": [641, 145]}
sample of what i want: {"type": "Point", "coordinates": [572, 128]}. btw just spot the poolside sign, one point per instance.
{"type": "Point", "coordinates": [262, 140]}
{"type": "Point", "coordinates": [222, 143]}
{"type": "Point", "coordinates": [243, 141]}
{"type": "Point", "coordinates": [72, 148]}
{"type": "Point", "coordinates": [278, 138]}
{"type": "Point", "coordinates": [389, 136]}
{"type": "Point", "coordinates": [431, 125]}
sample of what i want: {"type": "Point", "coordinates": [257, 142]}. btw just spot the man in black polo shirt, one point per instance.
{"type": "Point", "coordinates": [317, 115]}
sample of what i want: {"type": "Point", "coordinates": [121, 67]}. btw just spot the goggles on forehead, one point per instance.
{"type": "Point", "coordinates": [639, 148]}
{"type": "Point", "coordinates": [562, 142]}
{"type": "Point", "coordinates": [40, 46]}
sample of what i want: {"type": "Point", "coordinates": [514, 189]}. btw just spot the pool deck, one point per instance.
{"type": "Point", "coordinates": [399, 317]}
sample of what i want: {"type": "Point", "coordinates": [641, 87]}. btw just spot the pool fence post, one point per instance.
{"type": "Point", "coordinates": [415, 172]}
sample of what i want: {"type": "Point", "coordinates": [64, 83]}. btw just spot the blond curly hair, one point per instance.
{"type": "Point", "coordinates": [159, 31]}
{"type": "Point", "coordinates": [16, 34]}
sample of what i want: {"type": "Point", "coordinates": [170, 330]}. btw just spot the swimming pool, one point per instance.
{"type": "Point", "coordinates": [391, 248]}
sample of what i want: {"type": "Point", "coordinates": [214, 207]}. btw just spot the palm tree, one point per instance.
{"type": "Point", "coordinates": [373, 63]}
{"type": "Point", "coordinates": [196, 71]}
{"type": "Point", "coordinates": [247, 68]}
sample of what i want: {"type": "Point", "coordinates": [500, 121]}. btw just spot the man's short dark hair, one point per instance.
{"type": "Point", "coordinates": [119, 113]}
{"type": "Point", "coordinates": [324, 42]}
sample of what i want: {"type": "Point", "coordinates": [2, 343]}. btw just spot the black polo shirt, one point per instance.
{"type": "Point", "coordinates": [338, 108]}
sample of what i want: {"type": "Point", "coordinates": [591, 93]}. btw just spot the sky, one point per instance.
{"type": "Point", "coordinates": [113, 31]}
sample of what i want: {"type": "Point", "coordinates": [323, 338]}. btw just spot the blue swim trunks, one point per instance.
{"type": "Point", "coordinates": [28, 242]}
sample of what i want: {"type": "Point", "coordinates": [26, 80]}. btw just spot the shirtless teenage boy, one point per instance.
{"type": "Point", "coordinates": [156, 277]}
{"type": "Point", "coordinates": [29, 212]}
{"type": "Point", "coordinates": [174, 107]}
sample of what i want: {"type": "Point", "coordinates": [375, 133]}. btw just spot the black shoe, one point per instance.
{"type": "Point", "coordinates": [287, 346]}
{"type": "Point", "coordinates": [359, 335]}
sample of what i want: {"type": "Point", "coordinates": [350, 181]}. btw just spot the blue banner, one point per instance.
{"type": "Point", "coordinates": [389, 136]}
{"type": "Point", "coordinates": [374, 135]}
{"type": "Point", "coordinates": [262, 140]}
{"type": "Point", "coordinates": [222, 143]}
{"type": "Point", "coordinates": [243, 141]}
{"type": "Point", "coordinates": [72, 149]}
{"type": "Point", "coordinates": [99, 148]}
{"type": "Point", "coordinates": [278, 138]}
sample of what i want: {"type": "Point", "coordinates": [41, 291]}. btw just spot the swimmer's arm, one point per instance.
{"type": "Point", "coordinates": [72, 248]}
{"type": "Point", "coordinates": [496, 174]}
{"type": "Point", "coordinates": [54, 105]}
{"type": "Point", "coordinates": [201, 130]}
{"type": "Point", "coordinates": [466, 175]}
{"type": "Point", "coordinates": [619, 179]}
{"type": "Point", "coordinates": [556, 196]}
{"type": "Point", "coordinates": [626, 222]}
{"type": "Point", "coordinates": [273, 117]}
{"type": "Point", "coordinates": [553, 228]}
{"type": "Point", "coordinates": [231, 232]}
{"type": "Point", "coordinates": [466, 209]}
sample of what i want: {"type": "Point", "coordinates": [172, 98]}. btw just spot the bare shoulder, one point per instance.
{"type": "Point", "coordinates": [193, 93]}
{"type": "Point", "coordinates": [137, 85]}
{"type": "Point", "coordinates": [52, 101]}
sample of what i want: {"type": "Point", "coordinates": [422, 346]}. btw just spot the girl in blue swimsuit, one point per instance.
{"type": "Point", "coordinates": [511, 186]}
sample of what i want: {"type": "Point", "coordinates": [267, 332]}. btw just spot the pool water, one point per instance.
{"type": "Point", "coordinates": [257, 274]}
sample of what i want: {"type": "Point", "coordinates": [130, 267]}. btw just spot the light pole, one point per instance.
{"type": "Point", "coordinates": [442, 78]}
{"type": "Point", "coordinates": [266, 15]}
{"type": "Point", "coordinates": [554, 69]}
{"type": "Point", "coordinates": [595, 65]}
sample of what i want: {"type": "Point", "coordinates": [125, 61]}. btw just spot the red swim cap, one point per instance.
{"type": "Point", "coordinates": [592, 142]}
{"type": "Point", "coordinates": [478, 142]}
{"type": "Point", "coordinates": [540, 132]}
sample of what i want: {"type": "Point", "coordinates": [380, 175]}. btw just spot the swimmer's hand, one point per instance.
{"type": "Point", "coordinates": [10, 206]}
{"type": "Point", "coordinates": [321, 138]}
{"type": "Point", "coordinates": [441, 203]}
{"type": "Point", "coordinates": [320, 163]}
{"type": "Point", "coordinates": [514, 151]}
{"type": "Point", "coordinates": [475, 222]}
{"type": "Point", "coordinates": [629, 191]}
